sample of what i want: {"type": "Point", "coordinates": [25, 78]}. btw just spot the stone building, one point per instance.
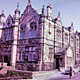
{"type": "Point", "coordinates": [36, 41]}
{"type": "Point", "coordinates": [77, 48]}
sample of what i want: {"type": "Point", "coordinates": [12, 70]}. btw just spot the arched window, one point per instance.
{"type": "Point", "coordinates": [8, 34]}
{"type": "Point", "coordinates": [11, 34]}
{"type": "Point", "coordinates": [23, 31]}
{"type": "Point", "coordinates": [33, 29]}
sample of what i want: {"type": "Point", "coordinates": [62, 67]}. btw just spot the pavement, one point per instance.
{"type": "Point", "coordinates": [46, 77]}
{"type": "Point", "coordinates": [49, 76]}
{"type": "Point", "coordinates": [59, 75]}
{"type": "Point", "coordinates": [67, 77]}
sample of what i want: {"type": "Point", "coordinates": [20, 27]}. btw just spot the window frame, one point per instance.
{"type": "Point", "coordinates": [23, 32]}
{"type": "Point", "coordinates": [33, 29]}
{"type": "Point", "coordinates": [8, 34]}
{"type": "Point", "coordinates": [32, 52]}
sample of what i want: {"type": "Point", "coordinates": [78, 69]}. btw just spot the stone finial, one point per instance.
{"type": "Point", "coordinates": [17, 9]}
{"type": "Point", "coordinates": [43, 10]}
{"type": "Point", "coordinates": [76, 31]}
{"type": "Point", "coordinates": [3, 11]}
{"type": "Point", "coordinates": [49, 5]}
{"type": "Point", "coordinates": [43, 6]}
{"type": "Point", "coordinates": [18, 5]}
{"type": "Point", "coordinates": [72, 24]}
{"type": "Point", "coordinates": [2, 14]}
{"type": "Point", "coordinates": [58, 14]}
{"type": "Point", "coordinates": [29, 3]}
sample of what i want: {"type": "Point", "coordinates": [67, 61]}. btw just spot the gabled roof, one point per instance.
{"type": "Point", "coordinates": [31, 8]}
{"type": "Point", "coordinates": [10, 17]}
{"type": "Point", "coordinates": [27, 14]}
{"type": "Point", "coordinates": [57, 19]}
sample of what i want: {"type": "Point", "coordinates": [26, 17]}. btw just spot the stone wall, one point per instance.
{"type": "Point", "coordinates": [48, 66]}
{"type": "Point", "coordinates": [16, 74]}
{"type": "Point", "coordinates": [19, 74]}
{"type": "Point", "coordinates": [27, 66]}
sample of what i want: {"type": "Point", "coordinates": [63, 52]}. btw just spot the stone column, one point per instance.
{"type": "Point", "coordinates": [15, 36]}
{"type": "Point", "coordinates": [1, 25]}
{"type": "Point", "coordinates": [2, 21]}
{"type": "Point", "coordinates": [14, 47]}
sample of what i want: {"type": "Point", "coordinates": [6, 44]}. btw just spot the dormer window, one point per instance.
{"type": "Point", "coordinates": [23, 31]}
{"type": "Point", "coordinates": [33, 30]}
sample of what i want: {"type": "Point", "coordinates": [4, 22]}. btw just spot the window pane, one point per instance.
{"type": "Point", "coordinates": [22, 56]}
{"type": "Point", "coordinates": [10, 30]}
{"type": "Point", "coordinates": [24, 34]}
{"type": "Point", "coordinates": [30, 48]}
{"type": "Point", "coordinates": [7, 37]}
{"type": "Point", "coordinates": [10, 52]}
{"type": "Point", "coordinates": [23, 48]}
{"type": "Point", "coordinates": [31, 27]}
{"type": "Point", "coordinates": [10, 36]}
{"type": "Point", "coordinates": [35, 27]}
{"type": "Point", "coordinates": [34, 48]}
{"type": "Point", "coordinates": [11, 33]}
{"type": "Point", "coordinates": [33, 56]}
{"type": "Point", "coordinates": [21, 34]}
{"type": "Point", "coordinates": [19, 56]}
{"type": "Point", "coordinates": [31, 35]}
{"type": "Point", "coordinates": [4, 36]}
{"type": "Point", "coordinates": [20, 49]}
{"type": "Point", "coordinates": [30, 57]}
{"type": "Point", "coordinates": [24, 28]}
{"type": "Point", "coordinates": [35, 33]}
{"type": "Point", "coordinates": [21, 29]}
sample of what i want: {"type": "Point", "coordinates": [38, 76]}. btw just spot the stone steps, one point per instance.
{"type": "Point", "coordinates": [4, 69]}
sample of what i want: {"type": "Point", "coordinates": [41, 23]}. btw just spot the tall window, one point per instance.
{"type": "Point", "coordinates": [23, 31]}
{"type": "Point", "coordinates": [5, 34]}
{"type": "Point", "coordinates": [8, 34]}
{"type": "Point", "coordinates": [21, 53]}
{"type": "Point", "coordinates": [32, 54]}
{"type": "Point", "coordinates": [33, 29]}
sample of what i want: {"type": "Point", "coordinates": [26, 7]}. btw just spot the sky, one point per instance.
{"type": "Point", "coordinates": [69, 9]}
